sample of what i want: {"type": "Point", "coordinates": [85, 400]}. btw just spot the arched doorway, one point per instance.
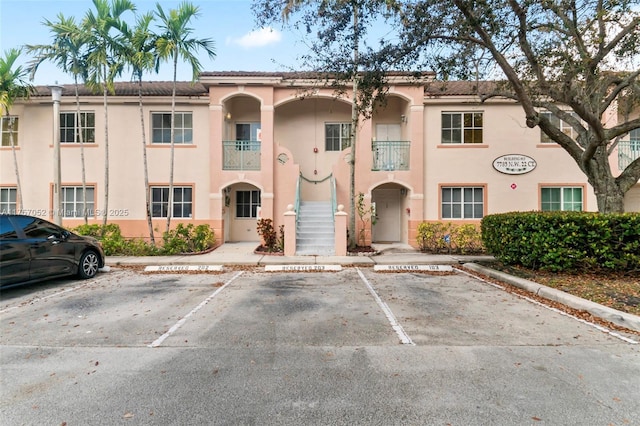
{"type": "Point", "coordinates": [243, 203]}
{"type": "Point", "coordinates": [389, 201]}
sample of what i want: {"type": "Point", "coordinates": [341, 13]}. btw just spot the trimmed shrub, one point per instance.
{"type": "Point", "coordinates": [437, 237]}
{"type": "Point", "coordinates": [564, 241]}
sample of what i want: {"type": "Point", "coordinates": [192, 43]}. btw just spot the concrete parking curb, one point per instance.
{"type": "Point", "coordinates": [614, 316]}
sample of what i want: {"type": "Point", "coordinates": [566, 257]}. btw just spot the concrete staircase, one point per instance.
{"type": "Point", "coordinates": [315, 232]}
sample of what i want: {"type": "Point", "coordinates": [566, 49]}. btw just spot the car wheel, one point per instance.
{"type": "Point", "coordinates": [89, 264]}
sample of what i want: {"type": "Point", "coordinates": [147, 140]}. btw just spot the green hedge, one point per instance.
{"type": "Point", "coordinates": [564, 241]}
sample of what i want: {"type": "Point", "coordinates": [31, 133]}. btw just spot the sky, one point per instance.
{"type": "Point", "coordinates": [239, 44]}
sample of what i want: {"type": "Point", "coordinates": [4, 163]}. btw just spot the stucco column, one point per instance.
{"type": "Point", "coordinates": [216, 199]}
{"type": "Point", "coordinates": [416, 132]}
{"type": "Point", "coordinates": [267, 159]}
{"type": "Point", "coordinates": [364, 158]}
{"type": "Point", "coordinates": [341, 232]}
{"type": "Point", "coordinates": [290, 231]}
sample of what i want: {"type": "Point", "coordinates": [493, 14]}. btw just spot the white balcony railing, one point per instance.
{"type": "Point", "coordinates": [627, 152]}
{"type": "Point", "coordinates": [390, 155]}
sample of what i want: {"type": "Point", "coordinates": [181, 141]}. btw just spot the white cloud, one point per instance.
{"type": "Point", "coordinates": [257, 38]}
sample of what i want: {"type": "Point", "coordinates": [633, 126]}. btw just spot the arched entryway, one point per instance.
{"type": "Point", "coordinates": [242, 205]}
{"type": "Point", "coordinates": [390, 202]}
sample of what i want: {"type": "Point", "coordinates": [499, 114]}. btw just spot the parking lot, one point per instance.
{"type": "Point", "coordinates": [354, 346]}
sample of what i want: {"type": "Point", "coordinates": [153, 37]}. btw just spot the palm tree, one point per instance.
{"type": "Point", "coordinates": [141, 57]}
{"type": "Point", "coordinates": [68, 51]}
{"type": "Point", "coordinates": [175, 43]}
{"type": "Point", "coordinates": [104, 31]}
{"type": "Point", "coordinates": [13, 86]}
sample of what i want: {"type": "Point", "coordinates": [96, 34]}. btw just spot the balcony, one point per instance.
{"type": "Point", "coordinates": [627, 152]}
{"type": "Point", "coordinates": [241, 155]}
{"type": "Point", "coordinates": [390, 155]}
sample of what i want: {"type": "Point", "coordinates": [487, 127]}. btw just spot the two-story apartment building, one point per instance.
{"type": "Point", "coordinates": [249, 144]}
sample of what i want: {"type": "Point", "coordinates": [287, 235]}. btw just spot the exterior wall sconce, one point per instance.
{"type": "Point", "coordinates": [227, 116]}
{"type": "Point", "coordinates": [403, 118]}
{"type": "Point", "coordinates": [403, 191]}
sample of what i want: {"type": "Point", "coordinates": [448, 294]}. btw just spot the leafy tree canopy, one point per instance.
{"type": "Point", "coordinates": [577, 59]}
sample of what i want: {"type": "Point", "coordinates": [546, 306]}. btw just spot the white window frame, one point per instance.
{"type": "Point", "coordinates": [183, 135]}
{"type": "Point", "coordinates": [343, 139]}
{"type": "Point", "coordinates": [8, 199]}
{"type": "Point", "coordinates": [88, 132]}
{"type": "Point", "coordinates": [634, 140]}
{"type": "Point", "coordinates": [159, 207]}
{"type": "Point", "coordinates": [469, 128]}
{"type": "Point", "coordinates": [465, 199]}
{"type": "Point", "coordinates": [71, 197]}
{"type": "Point", "coordinates": [5, 140]}
{"type": "Point", "coordinates": [562, 125]}
{"type": "Point", "coordinates": [254, 204]}
{"type": "Point", "coordinates": [565, 192]}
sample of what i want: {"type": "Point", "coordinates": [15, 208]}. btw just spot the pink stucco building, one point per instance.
{"type": "Point", "coordinates": [248, 142]}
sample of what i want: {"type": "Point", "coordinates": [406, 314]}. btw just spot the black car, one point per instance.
{"type": "Point", "coordinates": [32, 249]}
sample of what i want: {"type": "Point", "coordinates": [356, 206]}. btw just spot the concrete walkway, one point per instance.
{"type": "Point", "coordinates": [230, 254]}
{"type": "Point", "coordinates": [243, 254]}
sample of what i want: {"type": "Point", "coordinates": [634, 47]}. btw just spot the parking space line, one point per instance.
{"type": "Point", "coordinates": [404, 337]}
{"type": "Point", "coordinates": [179, 324]}
{"type": "Point", "coordinates": [551, 308]}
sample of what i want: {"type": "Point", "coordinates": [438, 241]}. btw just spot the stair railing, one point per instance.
{"type": "Point", "coordinates": [334, 201]}
{"type": "Point", "coordinates": [296, 206]}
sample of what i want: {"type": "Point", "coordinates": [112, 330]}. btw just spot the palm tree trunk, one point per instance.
{"type": "Point", "coordinates": [15, 160]}
{"type": "Point", "coordinates": [354, 135]}
{"type": "Point", "coordinates": [105, 210]}
{"type": "Point", "coordinates": [147, 190]}
{"type": "Point", "coordinates": [85, 213]}
{"type": "Point", "coordinates": [173, 145]}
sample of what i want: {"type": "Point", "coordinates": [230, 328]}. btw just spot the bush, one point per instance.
{"type": "Point", "coordinates": [109, 236]}
{"type": "Point", "coordinates": [271, 240]}
{"type": "Point", "coordinates": [184, 239]}
{"type": "Point", "coordinates": [188, 239]}
{"type": "Point", "coordinates": [437, 237]}
{"type": "Point", "coordinates": [466, 239]}
{"type": "Point", "coordinates": [564, 241]}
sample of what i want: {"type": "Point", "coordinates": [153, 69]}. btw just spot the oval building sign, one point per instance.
{"type": "Point", "coordinates": [514, 164]}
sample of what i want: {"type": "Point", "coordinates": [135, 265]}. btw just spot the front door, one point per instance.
{"type": "Point", "coordinates": [388, 214]}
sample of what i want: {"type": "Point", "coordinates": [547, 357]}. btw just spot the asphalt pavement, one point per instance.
{"type": "Point", "coordinates": [243, 254]}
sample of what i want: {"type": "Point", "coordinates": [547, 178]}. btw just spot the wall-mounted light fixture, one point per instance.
{"type": "Point", "coordinates": [227, 116]}
{"type": "Point", "coordinates": [403, 191]}
{"type": "Point", "coordinates": [403, 118]}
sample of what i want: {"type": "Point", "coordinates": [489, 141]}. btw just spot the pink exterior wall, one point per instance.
{"type": "Point", "coordinates": [292, 142]}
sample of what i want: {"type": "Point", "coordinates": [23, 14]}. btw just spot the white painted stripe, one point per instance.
{"type": "Point", "coordinates": [409, 268]}
{"type": "Point", "coordinates": [301, 268]}
{"type": "Point", "coordinates": [535, 302]}
{"type": "Point", "coordinates": [179, 268]}
{"type": "Point", "coordinates": [404, 337]}
{"type": "Point", "coordinates": [179, 324]}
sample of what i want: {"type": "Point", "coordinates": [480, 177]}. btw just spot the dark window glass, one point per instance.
{"type": "Point", "coordinates": [6, 229]}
